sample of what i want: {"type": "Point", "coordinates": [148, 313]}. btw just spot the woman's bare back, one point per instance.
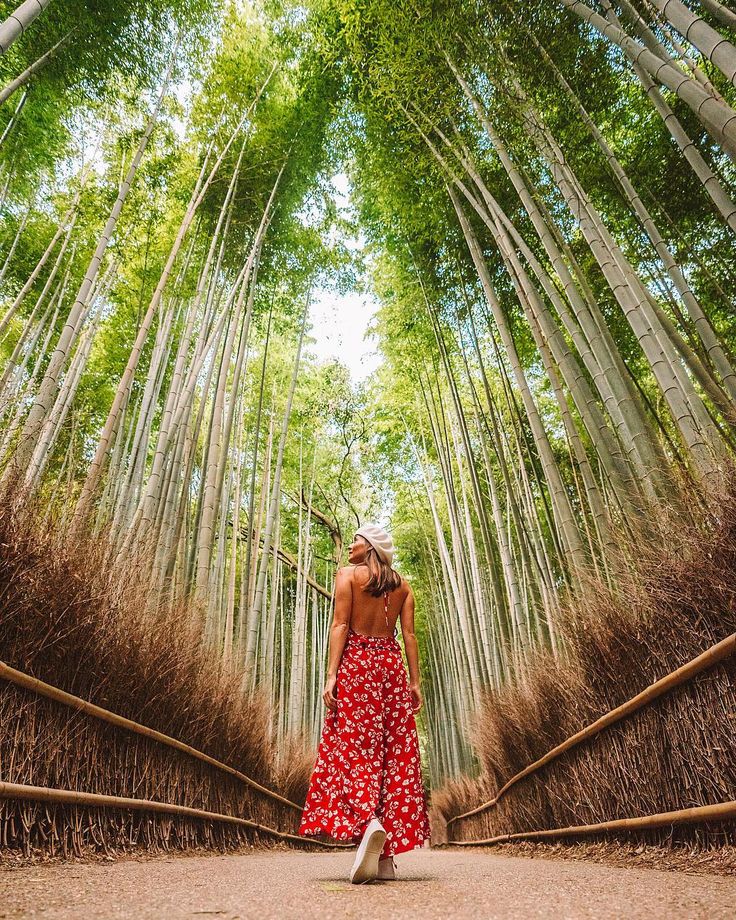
{"type": "Point", "coordinates": [367, 616]}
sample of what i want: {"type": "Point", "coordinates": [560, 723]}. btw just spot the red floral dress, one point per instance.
{"type": "Point", "coordinates": [368, 757]}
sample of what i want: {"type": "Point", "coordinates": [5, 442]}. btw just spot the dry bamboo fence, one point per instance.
{"type": "Point", "coordinates": [701, 814]}
{"type": "Point", "coordinates": [97, 800]}
{"type": "Point", "coordinates": [68, 699]}
{"type": "Point", "coordinates": [74, 797]}
{"type": "Point", "coordinates": [87, 631]}
{"type": "Point", "coordinates": [713, 656]}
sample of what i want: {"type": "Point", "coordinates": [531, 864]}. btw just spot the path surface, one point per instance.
{"type": "Point", "coordinates": [434, 884]}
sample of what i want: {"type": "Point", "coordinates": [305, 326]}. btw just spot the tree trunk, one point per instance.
{"type": "Point", "coordinates": [712, 345]}
{"type": "Point", "coordinates": [720, 12]}
{"type": "Point", "coordinates": [7, 91]}
{"type": "Point", "coordinates": [708, 179]}
{"type": "Point", "coordinates": [260, 599]}
{"type": "Point", "coordinates": [564, 517]}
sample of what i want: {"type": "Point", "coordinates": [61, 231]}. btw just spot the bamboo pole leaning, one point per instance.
{"type": "Point", "coordinates": [98, 800]}
{"type": "Point", "coordinates": [20, 679]}
{"type": "Point", "coordinates": [19, 20]}
{"type": "Point", "coordinates": [720, 12]}
{"type": "Point", "coordinates": [717, 117]}
{"type": "Point", "coordinates": [34, 429]}
{"type": "Point", "coordinates": [709, 41]}
{"type": "Point", "coordinates": [708, 659]}
{"type": "Point", "coordinates": [7, 91]}
{"type": "Point", "coordinates": [202, 185]}
{"type": "Point", "coordinates": [700, 814]}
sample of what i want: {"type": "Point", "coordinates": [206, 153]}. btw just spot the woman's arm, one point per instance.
{"type": "Point", "coordinates": [338, 632]}
{"type": "Point", "coordinates": [410, 640]}
{"type": "Point", "coordinates": [412, 649]}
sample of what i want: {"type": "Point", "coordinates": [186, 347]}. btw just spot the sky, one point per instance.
{"type": "Point", "coordinates": [340, 321]}
{"type": "Point", "coordinates": [339, 325]}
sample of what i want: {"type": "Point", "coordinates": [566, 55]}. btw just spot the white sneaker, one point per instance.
{"type": "Point", "coordinates": [365, 867]}
{"type": "Point", "coordinates": [387, 870]}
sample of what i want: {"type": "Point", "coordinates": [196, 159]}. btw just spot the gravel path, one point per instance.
{"type": "Point", "coordinates": [442, 884]}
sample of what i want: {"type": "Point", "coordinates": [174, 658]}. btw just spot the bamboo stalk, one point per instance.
{"type": "Point", "coordinates": [97, 800]}
{"type": "Point", "coordinates": [19, 20]}
{"type": "Point", "coordinates": [61, 696]}
{"type": "Point", "coordinates": [701, 814]}
{"type": "Point", "coordinates": [7, 91]}
{"type": "Point", "coordinates": [708, 659]}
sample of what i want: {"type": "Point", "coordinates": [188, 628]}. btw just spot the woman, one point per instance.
{"type": "Point", "coordinates": [367, 782]}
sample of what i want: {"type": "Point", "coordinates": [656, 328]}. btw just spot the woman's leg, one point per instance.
{"type": "Point", "coordinates": [402, 807]}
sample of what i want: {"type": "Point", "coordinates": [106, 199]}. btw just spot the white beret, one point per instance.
{"type": "Point", "coordinates": [379, 540]}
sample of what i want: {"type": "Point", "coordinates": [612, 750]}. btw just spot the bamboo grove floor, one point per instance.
{"type": "Point", "coordinates": [433, 883]}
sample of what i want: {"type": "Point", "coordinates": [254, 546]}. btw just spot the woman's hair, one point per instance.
{"type": "Point", "coordinates": [381, 577]}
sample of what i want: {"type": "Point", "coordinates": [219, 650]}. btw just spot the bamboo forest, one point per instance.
{"type": "Point", "coordinates": [522, 212]}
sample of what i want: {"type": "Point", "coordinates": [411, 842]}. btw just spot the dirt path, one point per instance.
{"type": "Point", "coordinates": [434, 884]}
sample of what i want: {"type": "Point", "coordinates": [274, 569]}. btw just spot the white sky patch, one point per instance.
{"type": "Point", "coordinates": [339, 325]}
{"type": "Point", "coordinates": [184, 92]}
{"type": "Point", "coordinates": [340, 321]}
{"type": "Point", "coordinates": [342, 189]}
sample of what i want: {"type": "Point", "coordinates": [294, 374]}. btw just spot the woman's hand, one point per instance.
{"type": "Point", "coordinates": [328, 695]}
{"type": "Point", "coordinates": [416, 697]}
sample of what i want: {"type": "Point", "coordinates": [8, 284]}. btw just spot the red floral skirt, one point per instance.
{"type": "Point", "coordinates": [368, 757]}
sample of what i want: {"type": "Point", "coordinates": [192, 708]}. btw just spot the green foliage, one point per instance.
{"type": "Point", "coordinates": [108, 43]}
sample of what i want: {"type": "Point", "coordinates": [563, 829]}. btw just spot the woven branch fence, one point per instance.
{"type": "Point", "coordinates": [67, 820]}
{"type": "Point", "coordinates": [171, 755]}
{"type": "Point", "coordinates": [26, 800]}
{"type": "Point", "coordinates": [462, 829]}
{"type": "Point", "coordinates": [76, 776]}
{"type": "Point", "coordinates": [20, 679]}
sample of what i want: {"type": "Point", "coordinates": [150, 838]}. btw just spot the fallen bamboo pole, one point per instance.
{"type": "Point", "coordinates": [20, 679]}
{"type": "Point", "coordinates": [712, 656]}
{"type": "Point", "coordinates": [97, 800]}
{"type": "Point", "coordinates": [701, 814]}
